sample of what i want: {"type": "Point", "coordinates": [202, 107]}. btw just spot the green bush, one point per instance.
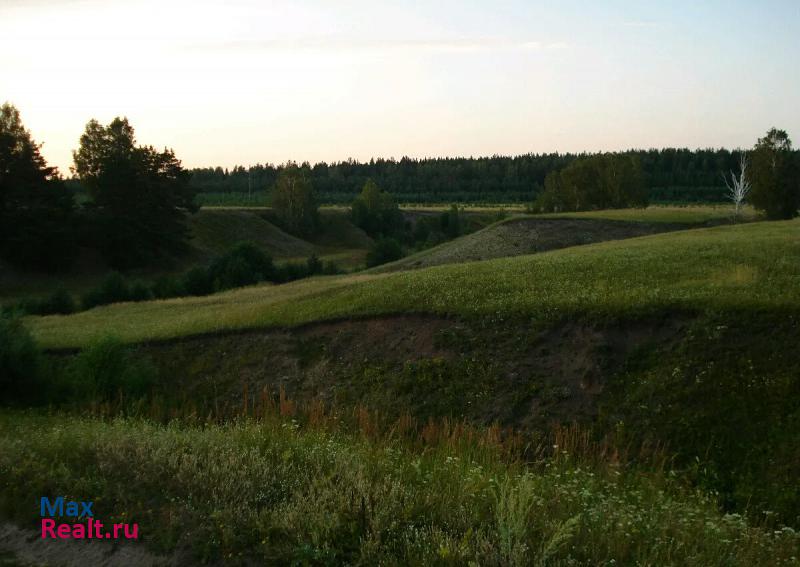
{"type": "Point", "coordinates": [59, 302]}
{"type": "Point", "coordinates": [107, 369]}
{"type": "Point", "coordinates": [196, 282]}
{"type": "Point", "coordinates": [114, 288]}
{"type": "Point", "coordinates": [384, 250]}
{"type": "Point", "coordinates": [245, 264]}
{"type": "Point", "coordinates": [140, 291]}
{"type": "Point", "coordinates": [168, 286]}
{"type": "Point", "coordinates": [21, 364]}
{"type": "Point", "coordinates": [313, 265]}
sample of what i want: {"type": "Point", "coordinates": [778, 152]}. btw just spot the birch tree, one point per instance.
{"type": "Point", "coordinates": [738, 187]}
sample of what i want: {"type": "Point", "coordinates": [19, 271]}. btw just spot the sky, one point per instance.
{"type": "Point", "coordinates": [246, 81]}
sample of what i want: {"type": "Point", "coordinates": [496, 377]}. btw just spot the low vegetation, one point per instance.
{"type": "Point", "coordinates": [716, 269]}
{"type": "Point", "coordinates": [285, 491]}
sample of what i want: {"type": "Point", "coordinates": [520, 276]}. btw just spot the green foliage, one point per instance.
{"type": "Point", "coordinates": [384, 250]}
{"type": "Point", "coordinates": [725, 399]}
{"type": "Point", "coordinates": [450, 222]}
{"type": "Point", "coordinates": [277, 492]}
{"type": "Point", "coordinates": [139, 196]}
{"type": "Point", "coordinates": [108, 369]}
{"type": "Point", "coordinates": [775, 176]}
{"type": "Point", "coordinates": [375, 211]}
{"type": "Point", "coordinates": [603, 181]}
{"type": "Point", "coordinates": [245, 264]}
{"type": "Point", "coordinates": [293, 202]}
{"type": "Point", "coordinates": [672, 174]}
{"type": "Point", "coordinates": [169, 286]}
{"type": "Point", "coordinates": [21, 364]}
{"type": "Point", "coordinates": [113, 289]}
{"type": "Point", "coordinates": [36, 210]}
{"type": "Point", "coordinates": [60, 302]}
{"type": "Point", "coordinates": [140, 291]}
{"type": "Point", "coordinates": [196, 281]}
{"type": "Point", "coordinates": [313, 265]}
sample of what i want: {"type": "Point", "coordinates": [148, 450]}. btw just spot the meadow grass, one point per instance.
{"type": "Point", "coordinates": [693, 214]}
{"type": "Point", "coordinates": [282, 492]}
{"type": "Point", "coordinates": [749, 266]}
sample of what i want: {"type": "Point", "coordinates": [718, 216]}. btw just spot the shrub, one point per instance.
{"type": "Point", "coordinates": [140, 291]}
{"type": "Point", "coordinates": [384, 250]}
{"type": "Point", "coordinates": [244, 264]}
{"type": "Point", "coordinates": [20, 363]}
{"type": "Point", "coordinates": [59, 302]}
{"type": "Point", "coordinates": [108, 368]}
{"type": "Point", "coordinates": [313, 265]}
{"type": "Point", "coordinates": [292, 271]}
{"type": "Point", "coordinates": [167, 286]}
{"type": "Point", "coordinates": [112, 289]}
{"type": "Point", "coordinates": [196, 282]}
{"type": "Point", "coordinates": [330, 268]}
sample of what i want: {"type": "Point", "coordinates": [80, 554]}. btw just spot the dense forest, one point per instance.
{"type": "Point", "coordinates": [671, 175]}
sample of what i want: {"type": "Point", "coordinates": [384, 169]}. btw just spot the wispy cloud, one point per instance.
{"type": "Point", "coordinates": [641, 24]}
{"type": "Point", "coordinates": [327, 44]}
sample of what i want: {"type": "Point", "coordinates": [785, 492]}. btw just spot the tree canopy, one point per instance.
{"type": "Point", "coordinates": [375, 211]}
{"type": "Point", "coordinates": [603, 181]}
{"type": "Point", "coordinates": [671, 174]}
{"type": "Point", "coordinates": [140, 196]}
{"type": "Point", "coordinates": [775, 176]}
{"type": "Point", "coordinates": [36, 210]}
{"type": "Point", "coordinates": [293, 202]}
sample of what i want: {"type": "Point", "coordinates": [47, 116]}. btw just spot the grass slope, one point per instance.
{"type": "Point", "coordinates": [215, 231]}
{"type": "Point", "coordinates": [527, 235]}
{"type": "Point", "coordinates": [283, 493]}
{"type": "Point", "coordinates": [751, 266]}
{"type": "Point", "coordinates": [695, 214]}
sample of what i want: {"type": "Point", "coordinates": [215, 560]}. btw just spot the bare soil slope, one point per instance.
{"type": "Point", "coordinates": [429, 366]}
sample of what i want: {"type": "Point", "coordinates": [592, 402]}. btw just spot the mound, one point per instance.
{"type": "Point", "coordinates": [520, 236]}
{"type": "Point", "coordinates": [215, 231]}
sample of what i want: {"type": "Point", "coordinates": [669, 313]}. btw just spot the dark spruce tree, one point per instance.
{"type": "Point", "coordinates": [139, 196]}
{"type": "Point", "coordinates": [37, 221]}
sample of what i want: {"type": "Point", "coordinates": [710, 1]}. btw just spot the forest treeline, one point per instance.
{"type": "Point", "coordinates": [670, 175]}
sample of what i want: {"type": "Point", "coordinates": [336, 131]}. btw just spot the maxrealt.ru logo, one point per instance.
{"type": "Point", "coordinates": [79, 522]}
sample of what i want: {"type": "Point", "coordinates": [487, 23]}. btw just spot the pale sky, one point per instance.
{"type": "Point", "coordinates": [243, 81]}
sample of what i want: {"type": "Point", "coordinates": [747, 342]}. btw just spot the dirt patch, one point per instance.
{"type": "Point", "coordinates": [26, 547]}
{"type": "Point", "coordinates": [516, 375]}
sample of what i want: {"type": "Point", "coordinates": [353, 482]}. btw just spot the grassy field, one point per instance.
{"type": "Point", "coordinates": [529, 234]}
{"type": "Point", "coordinates": [286, 492]}
{"type": "Point", "coordinates": [748, 266]}
{"type": "Point", "coordinates": [682, 343]}
{"type": "Point", "coordinates": [694, 214]}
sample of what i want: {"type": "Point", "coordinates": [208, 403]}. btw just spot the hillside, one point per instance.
{"type": "Point", "coordinates": [212, 233]}
{"type": "Point", "coordinates": [680, 343]}
{"type": "Point", "coordinates": [530, 234]}
{"type": "Point", "coordinates": [727, 267]}
{"type": "Point", "coordinates": [527, 235]}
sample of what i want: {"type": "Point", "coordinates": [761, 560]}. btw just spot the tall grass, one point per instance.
{"type": "Point", "coordinates": [280, 492]}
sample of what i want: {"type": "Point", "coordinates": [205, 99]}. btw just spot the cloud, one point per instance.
{"type": "Point", "coordinates": [640, 24]}
{"type": "Point", "coordinates": [327, 44]}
